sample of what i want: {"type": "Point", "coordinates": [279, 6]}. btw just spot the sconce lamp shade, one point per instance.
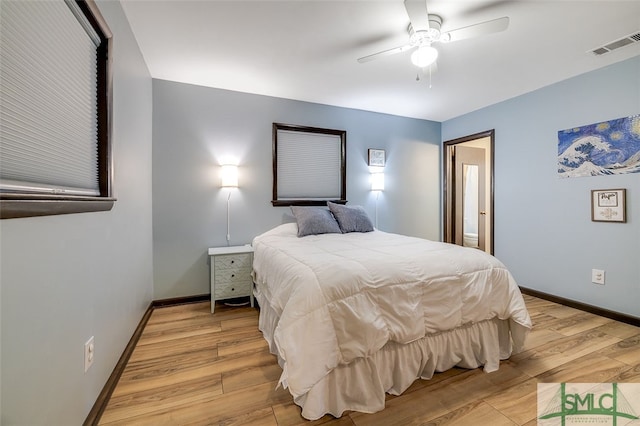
{"type": "Point", "coordinates": [229, 176]}
{"type": "Point", "coordinates": [377, 181]}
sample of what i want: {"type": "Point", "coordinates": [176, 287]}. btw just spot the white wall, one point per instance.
{"type": "Point", "coordinates": [195, 128]}
{"type": "Point", "coordinates": [543, 227]}
{"type": "Point", "coordinates": [66, 278]}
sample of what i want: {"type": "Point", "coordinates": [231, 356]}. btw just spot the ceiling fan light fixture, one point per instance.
{"type": "Point", "coordinates": [424, 56]}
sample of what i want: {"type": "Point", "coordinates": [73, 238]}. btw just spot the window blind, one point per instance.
{"type": "Point", "coordinates": [308, 165]}
{"type": "Point", "coordinates": [48, 87]}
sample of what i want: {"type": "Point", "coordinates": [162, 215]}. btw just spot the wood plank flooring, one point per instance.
{"type": "Point", "coordinates": [194, 368]}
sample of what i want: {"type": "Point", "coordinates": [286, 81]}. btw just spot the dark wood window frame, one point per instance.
{"type": "Point", "coordinates": [343, 166]}
{"type": "Point", "coordinates": [24, 204]}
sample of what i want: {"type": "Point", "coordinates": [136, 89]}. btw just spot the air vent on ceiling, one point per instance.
{"type": "Point", "coordinates": [617, 44]}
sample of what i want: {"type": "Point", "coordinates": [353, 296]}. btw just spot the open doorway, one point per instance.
{"type": "Point", "coordinates": [468, 191]}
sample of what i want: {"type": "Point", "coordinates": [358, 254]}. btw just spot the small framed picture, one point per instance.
{"type": "Point", "coordinates": [376, 157]}
{"type": "Point", "coordinates": [608, 205]}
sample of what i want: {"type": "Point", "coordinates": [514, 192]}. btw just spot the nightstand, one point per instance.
{"type": "Point", "coordinates": [231, 273]}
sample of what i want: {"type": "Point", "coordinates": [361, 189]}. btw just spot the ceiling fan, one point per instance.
{"type": "Point", "coordinates": [424, 30]}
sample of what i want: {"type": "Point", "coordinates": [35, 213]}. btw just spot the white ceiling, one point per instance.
{"type": "Point", "coordinates": [307, 50]}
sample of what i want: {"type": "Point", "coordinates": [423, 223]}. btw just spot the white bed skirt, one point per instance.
{"type": "Point", "coordinates": [362, 384]}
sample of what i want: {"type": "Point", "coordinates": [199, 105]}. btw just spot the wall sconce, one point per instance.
{"type": "Point", "coordinates": [229, 174]}
{"type": "Point", "coordinates": [377, 181]}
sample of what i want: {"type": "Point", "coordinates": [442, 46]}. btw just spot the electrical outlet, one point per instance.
{"type": "Point", "coordinates": [89, 353]}
{"type": "Point", "coordinates": [597, 276]}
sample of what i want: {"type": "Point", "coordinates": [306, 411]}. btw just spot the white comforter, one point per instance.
{"type": "Point", "coordinates": [344, 296]}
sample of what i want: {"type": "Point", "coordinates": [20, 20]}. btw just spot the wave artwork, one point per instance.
{"type": "Point", "coordinates": [607, 148]}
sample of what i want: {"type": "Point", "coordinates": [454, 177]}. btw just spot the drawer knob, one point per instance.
{"type": "Point", "coordinates": [233, 275]}
{"type": "Point", "coordinates": [233, 289]}
{"type": "Point", "coordinates": [232, 261]}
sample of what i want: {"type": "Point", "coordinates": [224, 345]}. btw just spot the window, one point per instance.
{"type": "Point", "coordinates": [54, 109]}
{"type": "Point", "coordinates": [309, 165]}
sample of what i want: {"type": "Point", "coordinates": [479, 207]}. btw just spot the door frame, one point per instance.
{"type": "Point", "coordinates": [449, 194]}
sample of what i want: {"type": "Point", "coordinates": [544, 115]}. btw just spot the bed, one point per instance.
{"type": "Point", "coordinates": [352, 316]}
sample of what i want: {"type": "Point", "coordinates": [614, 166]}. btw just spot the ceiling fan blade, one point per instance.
{"type": "Point", "coordinates": [476, 30]}
{"type": "Point", "coordinates": [385, 53]}
{"type": "Point", "coordinates": [418, 14]}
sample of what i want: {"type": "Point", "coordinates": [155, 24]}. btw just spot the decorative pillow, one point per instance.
{"type": "Point", "coordinates": [351, 218]}
{"type": "Point", "coordinates": [314, 221]}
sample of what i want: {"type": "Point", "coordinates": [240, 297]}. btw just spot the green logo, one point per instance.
{"type": "Point", "coordinates": [585, 407]}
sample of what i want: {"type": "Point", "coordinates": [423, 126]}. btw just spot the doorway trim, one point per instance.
{"type": "Point", "coordinates": [448, 192]}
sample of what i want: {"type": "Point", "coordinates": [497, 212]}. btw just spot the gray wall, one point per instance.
{"type": "Point", "coordinates": [543, 231]}
{"type": "Point", "coordinates": [196, 128]}
{"type": "Point", "coordinates": [66, 278]}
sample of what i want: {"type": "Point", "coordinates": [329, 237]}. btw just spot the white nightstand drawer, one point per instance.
{"type": "Point", "coordinates": [232, 275]}
{"type": "Point", "coordinates": [226, 261]}
{"type": "Point", "coordinates": [227, 290]}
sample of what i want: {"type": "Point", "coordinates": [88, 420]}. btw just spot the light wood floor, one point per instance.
{"type": "Point", "coordinates": [194, 368]}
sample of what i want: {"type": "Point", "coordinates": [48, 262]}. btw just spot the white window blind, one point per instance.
{"type": "Point", "coordinates": [308, 165]}
{"type": "Point", "coordinates": [48, 87]}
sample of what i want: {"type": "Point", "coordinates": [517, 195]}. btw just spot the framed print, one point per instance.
{"type": "Point", "coordinates": [607, 148]}
{"type": "Point", "coordinates": [608, 205]}
{"type": "Point", "coordinates": [376, 157]}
